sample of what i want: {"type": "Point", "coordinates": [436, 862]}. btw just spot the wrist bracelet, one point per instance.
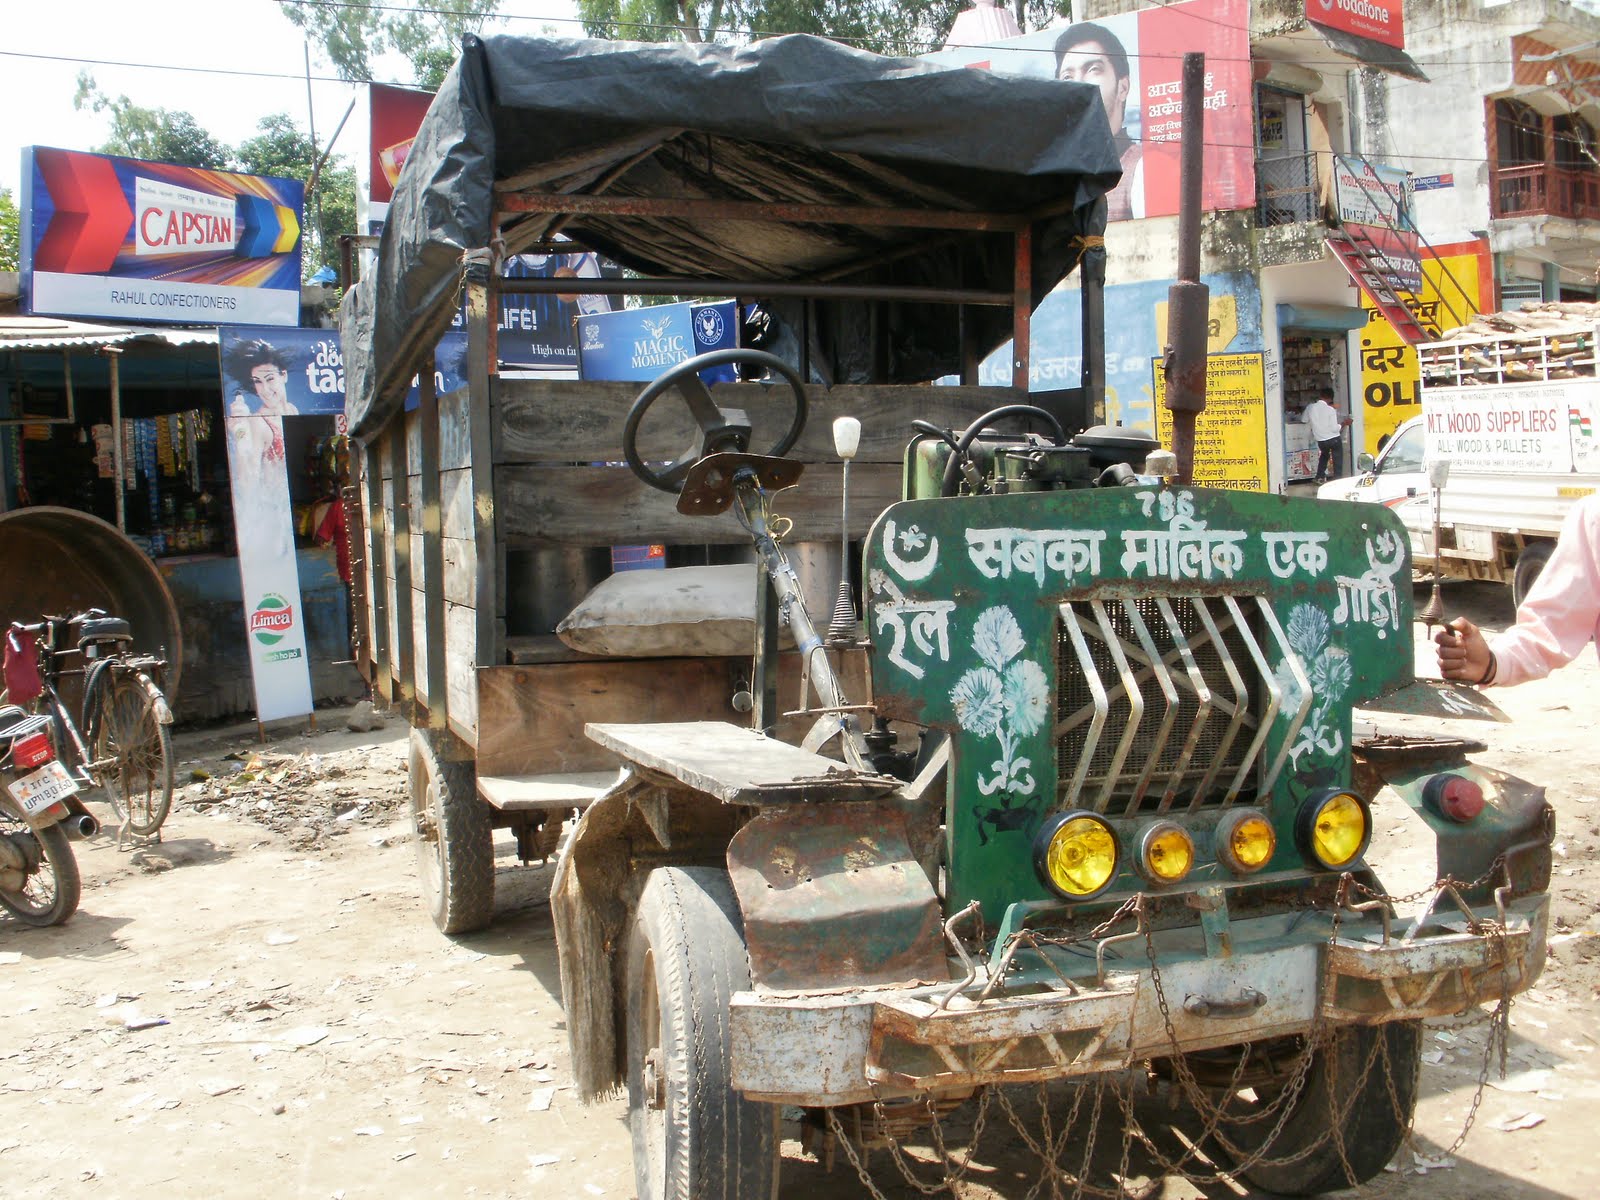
{"type": "Point", "coordinates": [1489, 672]}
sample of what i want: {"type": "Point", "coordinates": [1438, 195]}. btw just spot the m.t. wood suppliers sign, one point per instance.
{"type": "Point", "coordinates": [1381, 20]}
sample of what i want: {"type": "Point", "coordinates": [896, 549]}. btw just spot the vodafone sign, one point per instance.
{"type": "Point", "coordinates": [177, 220]}
{"type": "Point", "coordinates": [1381, 20]}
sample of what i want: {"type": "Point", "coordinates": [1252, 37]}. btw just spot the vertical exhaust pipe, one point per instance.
{"type": "Point", "coordinates": [1188, 300]}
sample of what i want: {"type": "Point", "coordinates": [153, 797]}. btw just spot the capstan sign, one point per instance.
{"type": "Point", "coordinates": [179, 220]}
{"type": "Point", "coordinates": [104, 236]}
{"type": "Point", "coordinates": [1381, 20]}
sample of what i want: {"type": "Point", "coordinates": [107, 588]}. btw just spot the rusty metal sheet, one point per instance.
{"type": "Point", "coordinates": [806, 1050]}
{"type": "Point", "coordinates": [1431, 977]}
{"type": "Point", "coordinates": [1024, 1039]}
{"type": "Point", "coordinates": [1438, 698]}
{"type": "Point", "coordinates": [833, 897]}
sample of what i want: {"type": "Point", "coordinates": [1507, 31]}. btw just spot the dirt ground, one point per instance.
{"type": "Point", "coordinates": [259, 1005]}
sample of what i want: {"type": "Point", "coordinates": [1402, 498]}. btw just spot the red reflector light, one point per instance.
{"type": "Point", "coordinates": [1454, 797]}
{"type": "Point", "coordinates": [32, 750]}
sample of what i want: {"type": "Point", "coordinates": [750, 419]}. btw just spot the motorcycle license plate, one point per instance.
{"type": "Point", "coordinates": [38, 791]}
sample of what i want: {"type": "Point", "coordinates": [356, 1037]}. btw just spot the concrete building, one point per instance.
{"type": "Point", "coordinates": [1448, 162]}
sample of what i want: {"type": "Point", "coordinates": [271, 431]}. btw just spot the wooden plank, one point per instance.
{"type": "Point", "coordinates": [460, 571]}
{"type": "Point", "coordinates": [734, 764]}
{"type": "Point", "coordinates": [524, 793]}
{"type": "Point", "coordinates": [577, 421]}
{"type": "Point", "coordinates": [461, 665]}
{"type": "Point", "coordinates": [455, 502]}
{"type": "Point", "coordinates": [431, 677]}
{"type": "Point", "coordinates": [455, 433]}
{"type": "Point", "coordinates": [405, 664]}
{"type": "Point", "coordinates": [413, 423]}
{"type": "Point", "coordinates": [533, 716]}
{"type": "Point", "coordinates": [419, 642]}
{"type": "Point", "coordinates": [480, 369]}
{"type": "Point", "coordinates": [597, 506]}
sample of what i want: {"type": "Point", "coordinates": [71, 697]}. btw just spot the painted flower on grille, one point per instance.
{"type": "Point", "coordinates": [996, 637]}
{"type": "Point", "coordinates": [1006, 698]}
{"type": "Point", "coordinates": [978, 701]}
{"type": "Point", "coordinates": [1027, 697]}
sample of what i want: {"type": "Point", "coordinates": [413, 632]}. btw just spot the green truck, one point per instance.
{"type": "Point", "coordinates": [1069, 788]}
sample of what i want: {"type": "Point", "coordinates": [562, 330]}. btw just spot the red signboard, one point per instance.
{"type": "Point", "coordinates": [1381, 20]}
{"type": "Point", "coordinates": [396, 113]}
{"type": "Point", "coordinates": [1136, 60]}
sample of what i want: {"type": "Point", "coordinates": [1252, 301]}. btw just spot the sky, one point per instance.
{"type": "Point", "coordinates": [235, 35]}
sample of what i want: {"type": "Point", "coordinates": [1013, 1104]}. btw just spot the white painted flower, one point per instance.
{"type": "Point", "coordinates": [1308, 630]}
{"type": "Point", "coordinates": [996, 637]}
{"type": "Point", "coordinates": [979, 702]}
{"type": "Point", "coordinates": [1332, 674]}
{"type": "Point", "coordinates": [1027, 697]}
{"type": "Point", "coordinates": [912, 538]}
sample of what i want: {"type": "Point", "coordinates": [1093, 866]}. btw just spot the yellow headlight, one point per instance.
{"type": "Point", "coordinates": [1166, 853]}
{"type": "Point", "coordinates": [1245, 842]}
{"type": "Point", "coordinates": [1333, 828]}
{"type": "Point", "coordinates": [1075, 854]}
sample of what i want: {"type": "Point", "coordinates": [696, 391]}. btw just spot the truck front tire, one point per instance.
{"type": "Point", "coordinates": [694, 1137]}
{"type": "Point", "coordinates": [1367, 1089]}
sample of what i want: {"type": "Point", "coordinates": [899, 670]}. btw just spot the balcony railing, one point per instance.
{"type": "Point", "coordinates": [1537, 189]}
{"type": "Point", "coordinates": [1286, 190]}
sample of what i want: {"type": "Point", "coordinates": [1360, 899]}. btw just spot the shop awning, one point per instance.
{"type": "Point", "coordinates": [1370, 53]}
{"type": "Point", "coordinates": [57, 333]}
{"type": "Point", "coordinates": [1321, 318]}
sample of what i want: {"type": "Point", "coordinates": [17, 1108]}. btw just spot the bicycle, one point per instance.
{"type": "Point", "coordinates": [124, 719]}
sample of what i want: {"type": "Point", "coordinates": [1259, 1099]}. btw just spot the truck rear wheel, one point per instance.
{"type": "Point", "coordinates": [454, 838]}
{"type": "Point", "coordinates": [1530, 565]}
{"type": "Point", "coordinates": [694, 1137]}
{"type": "Point", "coordinates": [1368, 1089]}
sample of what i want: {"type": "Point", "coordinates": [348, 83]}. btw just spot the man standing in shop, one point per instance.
{"type": "Point", "coordinates": [1327, 430]}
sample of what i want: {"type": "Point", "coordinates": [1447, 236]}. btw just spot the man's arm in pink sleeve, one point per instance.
{"type": "Point", "coordinates": [1558, 617]}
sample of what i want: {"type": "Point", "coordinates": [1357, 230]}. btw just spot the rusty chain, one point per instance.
{"type": "Point", "coordinates": [1048, 1146]}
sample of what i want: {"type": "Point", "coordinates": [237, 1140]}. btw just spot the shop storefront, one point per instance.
{"type": "Point", "coordinates": [126, 423]}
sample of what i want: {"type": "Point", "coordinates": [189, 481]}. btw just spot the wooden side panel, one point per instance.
{"type": "Point", "coordinates": [561, 421]}
{"type": "Point", "coordinates": [532, 717]}
{"type": "Point", "coordinates": [607, 505]}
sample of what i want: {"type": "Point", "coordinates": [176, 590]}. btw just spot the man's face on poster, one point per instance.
{"type": "Point", "coordinates": [1087, 62]}
{"type": "Point", "coordinates": [269, 381]}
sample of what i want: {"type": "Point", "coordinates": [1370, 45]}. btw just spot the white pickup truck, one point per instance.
{"type": "Point", "coordinates": [1517, 417]}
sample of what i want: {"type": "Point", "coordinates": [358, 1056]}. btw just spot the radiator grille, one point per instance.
{"type": "Point", "coordinates": [1167, 701]}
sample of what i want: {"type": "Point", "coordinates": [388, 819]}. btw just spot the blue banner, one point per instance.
{"type": "Point", "coordinates": [300, 372]}
{"type": "Point", "coordinates": [641, 343]}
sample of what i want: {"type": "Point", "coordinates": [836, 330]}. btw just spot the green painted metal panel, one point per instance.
{"type": "Point", "coordinates": [968, 635]}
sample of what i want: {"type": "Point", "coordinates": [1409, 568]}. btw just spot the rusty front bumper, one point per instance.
{"type": "Point", "coordinates": [860, 1044]}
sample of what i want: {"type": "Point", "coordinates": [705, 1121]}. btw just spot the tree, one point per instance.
{"type": "Point", "coordinates": [914, 27]}
{"type": "Point", "coordinates": [283, 149]}
{"type": "Point", "coordinates": [10, 232]}
{"type": "Point", "coordinates": [355, 33]}
{"type": "Point", "coordinates": [160, 134]}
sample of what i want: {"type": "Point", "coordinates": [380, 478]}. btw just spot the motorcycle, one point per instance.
{"type": "Point", "coordinates": [39, 815]}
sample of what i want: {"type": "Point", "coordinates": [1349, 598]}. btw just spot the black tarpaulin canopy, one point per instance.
{"type": "Point", "coordinates": [789, 120]}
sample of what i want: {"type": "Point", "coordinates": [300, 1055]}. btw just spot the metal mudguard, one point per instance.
{"type": "Point", "coordinates": [1286, 971]}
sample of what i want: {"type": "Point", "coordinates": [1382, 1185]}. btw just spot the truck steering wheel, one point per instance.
{"type": "Point", "coordinates": [724, 429]}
